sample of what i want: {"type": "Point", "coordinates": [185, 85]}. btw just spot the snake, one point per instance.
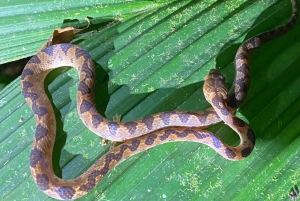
{"type": "Point", "coordinates": [138, 135]}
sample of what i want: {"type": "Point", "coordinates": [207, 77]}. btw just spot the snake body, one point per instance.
{"type": "Point", "coordinates": [41, 154]}
{"type": "Point", "coordinates": [147, 132]}
{"type": "Point", "coordinates": [242, 78]}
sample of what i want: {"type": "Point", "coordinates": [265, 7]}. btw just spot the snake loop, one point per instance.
{"type": "Point", "coordinates": [141, 134]}
{"type": "Point", "coordinates": [41, 154]}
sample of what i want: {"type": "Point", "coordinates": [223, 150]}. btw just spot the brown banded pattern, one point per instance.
{"type": "Point", "coordinates": [241, 82]}
{"type": "Point", "coordinates": [147, 132]}
{"type": "Point", "coordinates": [72, 55]}
{"type": "Point", "coordinates": [41, 154]}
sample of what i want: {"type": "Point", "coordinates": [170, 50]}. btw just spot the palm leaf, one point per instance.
{"type": "Point", "coordinates": [154, 60]}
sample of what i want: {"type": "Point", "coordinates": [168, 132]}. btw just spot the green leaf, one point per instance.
{"type": "Point", "coordinates": [154, 60]}
{"type": "Point", "coordinates": [25, 25]}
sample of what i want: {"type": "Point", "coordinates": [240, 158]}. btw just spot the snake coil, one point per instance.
{"type": "Point", "coordinates": [141, 134]}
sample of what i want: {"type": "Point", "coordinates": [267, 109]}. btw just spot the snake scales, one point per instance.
{"type": "Point", "coordinates": [141, 134]}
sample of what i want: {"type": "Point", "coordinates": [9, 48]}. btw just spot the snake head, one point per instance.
{"type": "Point", "coordinates": [214, 85]}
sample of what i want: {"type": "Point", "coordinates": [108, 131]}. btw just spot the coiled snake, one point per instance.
{"type": "Point", "coordinates": [141, 134]}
